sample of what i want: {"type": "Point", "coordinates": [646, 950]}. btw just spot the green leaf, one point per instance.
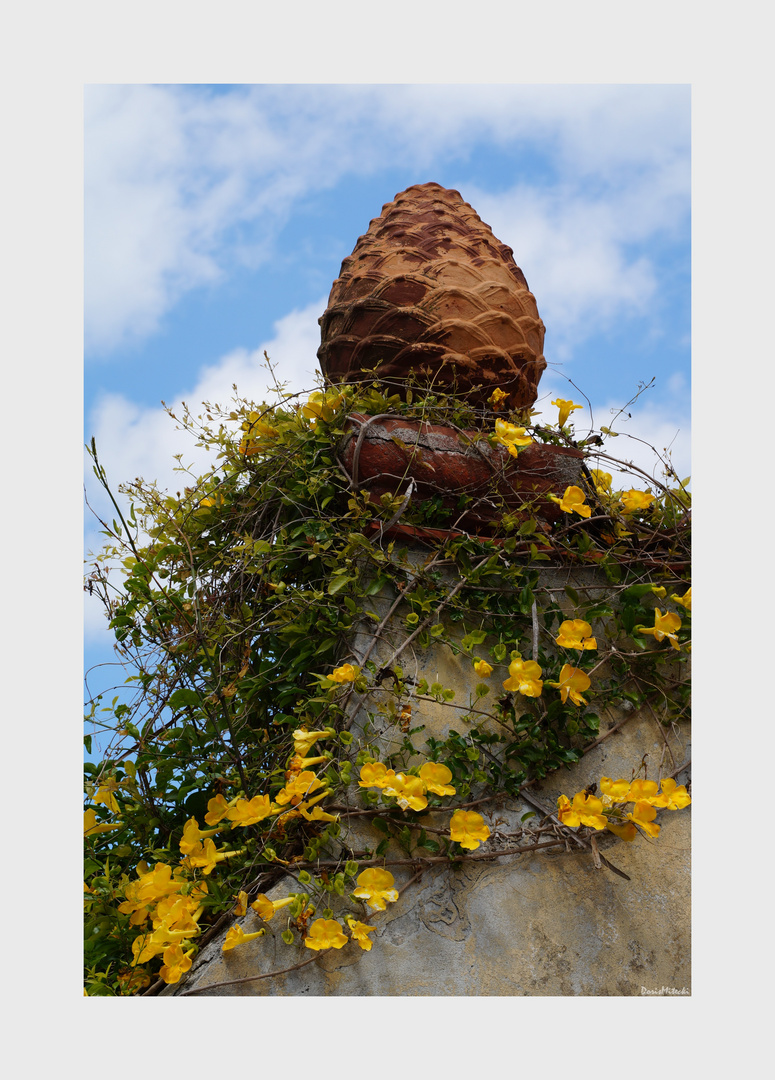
{"type": "Point", "coordinates": [183, 697]}
{"type": "Point", "coordinates": [630, 616]}
{"type": "Point", "coordinates": [338, 583]}
{"type": "Point", "coordinates": [376, 585]}
{"type": "Point", "coordinates": [636, 592]}
{"type": "Point", "coordinates": [600, 611]}
{"type": "Point", "coordinates": [382, 847]}
{"type": "Point", "coordinates": [572, 595]}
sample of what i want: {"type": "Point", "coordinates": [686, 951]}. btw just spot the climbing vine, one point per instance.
{"type": "Point", "coordinates": [269, 617]}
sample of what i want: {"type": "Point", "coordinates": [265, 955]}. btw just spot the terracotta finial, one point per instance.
{"type": "Point", "coordinates": [430, 289]}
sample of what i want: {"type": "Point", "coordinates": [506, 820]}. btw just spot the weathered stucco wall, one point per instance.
{"type": "Point", "coordinates": [538, 924]}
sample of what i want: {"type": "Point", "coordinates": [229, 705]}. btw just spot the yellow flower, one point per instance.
{"type": "Point", "coordinates": [482, 668]}
{"type": "Point", "coordinates": [321, 406]}
{"type": "Point", "coordinates": [572, 501]}
{"type": "Point", "coordinates": [660, 591]}
{"type": "Point", "coordinates": [255, 429]}
{"type": "Point", "coordinates": [302, 809]}
{"type": "Point", "coordinates": [603, 480]}
{"type": "Point", "coordinates": [375, 774]}
{"type": "Point", "coordinates": [265, 908]}
{"type": "Point", "coordinates": [249, 811]}
{"type": "Point", "coordinates": [573, 681]}
{"type": "Point", "coordinates": [178, 913]}
{"type": "Point", "coordinates": [633, 500]}
{"type": "Point", "coordinates": [626, 832]}
{"type": "Point", "coordinates": [157, 883]}
{"type": "Point", "coordinates": [643, 814]}
{"type": "Point", "coordinates": [665, 626]}
{"type": "Point", "coordinates": [298, 764]}
{"type": "Point", "coordinates": [146, 946]}
{"type": "Point", "coordinates": [576, 634]}
{"type": "Point", "coordinates": [496, 398]}
{"type": "Point", "coordinates": [511, 436]}
{"type": "Point", "coordinates": [566, 408]}
{"type": "Point", "coordinates": [325, 934]}
{"type": "Point", "coordinates": [105, 795]}
{"type": "Point", "coordinates": [644, 791]}
{"type": "Point", "coordinates": [176, 963]}
{"type": "Point", "coordinates": [206, 857]}
{"type": "Point", "coordinates": [617, 790]}
{"type": "Point", "coordinates": [345, 673]}
{"type": "Point", "coordinates": [237, 936]}
{"type": "Point", "coordinates": [360, 933]}
{"type": "Point", "coordinates": [408, 790]}
{"type": "Point", "coordinates": [524, 676]}
{"type": "Point", "coordinates": [91, 826]}
{"type": "Point", "coordinates": [375, 886]}
{"type": "Point", "coordinates": [468, 829]}
{"type": "Point", "coordinates": [317, 814]}
{"type": "Point", "coordinates": [584, 810]}
{"type": "Point", "coordinates": [676, 798]}
{"type": "Point", "coordinates": [303, 741]}
{"type": "Point", "coordinates": [213, 500]}
{"type": "Point", "coordinates": [685, 600]}
{"type": "Point", "coordinates": [153, 890]}
{"type": "Point", "coordinates": [297, 789]}
{"type": "Point", "coordinates": [217, 809]}
{"type": "Point", "coordinates": [192, 835]}
{"type": "Point", "coordinates": [242, 904]}
{"type": "Point", "coordinates": [436, 778]}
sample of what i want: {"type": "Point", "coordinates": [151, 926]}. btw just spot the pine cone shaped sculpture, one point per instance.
{"type": "Point", "coordinates": [429, 289]}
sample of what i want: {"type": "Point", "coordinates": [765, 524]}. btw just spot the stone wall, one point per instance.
{"type": "Point", "coordinates": [537, 924]}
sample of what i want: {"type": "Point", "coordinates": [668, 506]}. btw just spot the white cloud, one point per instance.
{"type": "Point", "coordinates": [574, 249]}
{"type": "Point", "coordinates": [180, 182]}
{"type": "Point", "coordinates": [136, 441]}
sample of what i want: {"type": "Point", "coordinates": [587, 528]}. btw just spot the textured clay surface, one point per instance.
{"type": "Point", "coordinates": [443, 461]}
{"type": "Point", "coordinates": [430, 289]}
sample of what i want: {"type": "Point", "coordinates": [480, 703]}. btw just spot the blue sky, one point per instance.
{"type": "Point", "coordinates": [217, 217]}
{"type": "Point", "coordinates": [146, 184]}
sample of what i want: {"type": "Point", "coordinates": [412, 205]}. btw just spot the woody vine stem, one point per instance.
{"type": "Point", "coordinates": [269, 619]}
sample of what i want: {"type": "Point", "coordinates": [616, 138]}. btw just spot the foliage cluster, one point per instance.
{"type": "Point", "coordinates": [251, 704]}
